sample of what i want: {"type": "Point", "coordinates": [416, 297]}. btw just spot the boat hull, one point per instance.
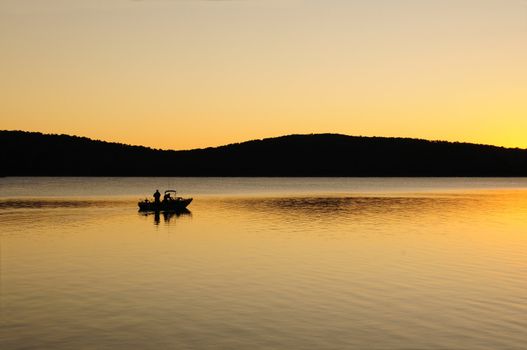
{"type": "Point", "coordinates": [179, 204]}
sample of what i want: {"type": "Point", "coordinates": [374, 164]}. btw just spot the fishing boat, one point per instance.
{"type": "Point", "coordinates": [169, 203]}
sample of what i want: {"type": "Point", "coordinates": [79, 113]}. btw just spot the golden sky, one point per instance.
{"type": "Point", "coordinates": [196, 73]}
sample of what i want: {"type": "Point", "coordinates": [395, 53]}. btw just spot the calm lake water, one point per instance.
{"type": "Point", "coordinates": [346, 263]}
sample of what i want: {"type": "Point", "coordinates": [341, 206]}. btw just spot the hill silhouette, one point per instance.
{"type": "Point", "coordinates": [36, 154]}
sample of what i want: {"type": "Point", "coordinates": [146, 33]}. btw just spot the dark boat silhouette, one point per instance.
{"type": "Point", "coordinates": [168, 204]}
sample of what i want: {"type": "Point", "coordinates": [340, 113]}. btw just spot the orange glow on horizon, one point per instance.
{"type": "Point", "coordinates": [188, 74]}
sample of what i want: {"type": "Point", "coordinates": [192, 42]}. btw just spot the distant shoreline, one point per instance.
{"type": "Point", "coordinates": [315, 155]}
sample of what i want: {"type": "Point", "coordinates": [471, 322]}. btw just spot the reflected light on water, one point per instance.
{"type": "Point", "coordinates": [168, 216]}
{"type": "Point", "coordinates": [421, 271]}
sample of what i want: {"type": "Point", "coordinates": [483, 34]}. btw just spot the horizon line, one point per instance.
{"type": "Point", "coordinates": [261, 139]}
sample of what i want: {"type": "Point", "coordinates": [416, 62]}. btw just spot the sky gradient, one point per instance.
{"type": "Point", "coordinates": [193, 73]}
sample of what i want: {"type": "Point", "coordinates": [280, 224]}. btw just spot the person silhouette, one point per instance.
{"type": "Point", "coordinates": [157, 195]}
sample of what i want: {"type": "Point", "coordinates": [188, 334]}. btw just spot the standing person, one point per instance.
{"type": "Point", "coordinates": [157, 195]}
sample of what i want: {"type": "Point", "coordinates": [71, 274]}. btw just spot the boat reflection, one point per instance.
{"type": "Point", "coordinates": [167, 216]}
